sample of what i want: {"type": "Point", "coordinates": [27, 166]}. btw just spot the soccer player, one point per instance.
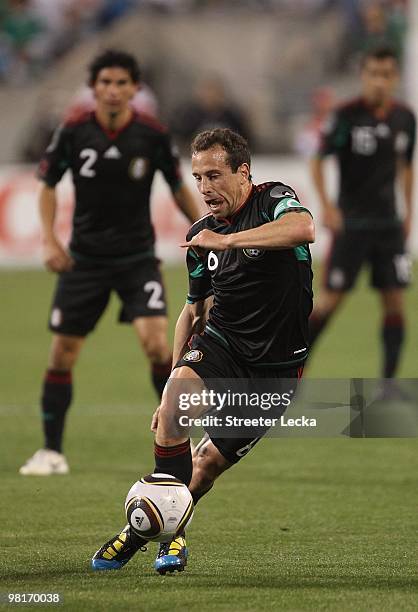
{"type": "Point", "coordinates": [250, 296]}
{"type": "Point", "coordinates": [373, 139]}
{"type": "Point", "coordinates": [113, 154]}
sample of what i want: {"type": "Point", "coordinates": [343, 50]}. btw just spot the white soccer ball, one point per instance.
{"type": "Point", "coordinates": [159, 507]}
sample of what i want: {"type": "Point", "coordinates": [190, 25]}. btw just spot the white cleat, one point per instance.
{"type": "Point", "coordinates": [44, 463]}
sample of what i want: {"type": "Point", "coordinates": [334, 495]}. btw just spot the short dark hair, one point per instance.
{"type": "Point", "coordinates": [380, 53]}
{"type": "Point", "coordinates": [235, 146]}
{"type": "Point", "coordinates": [114, 58]}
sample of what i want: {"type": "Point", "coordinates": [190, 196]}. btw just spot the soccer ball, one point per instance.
{"type": "Point", "coordinates": [159, 507]}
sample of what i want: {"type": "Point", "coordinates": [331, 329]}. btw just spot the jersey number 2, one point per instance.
{"type": "Point", "coordinates": [90, 155]}
{"type": "Point", "coordinates": [155, 302]}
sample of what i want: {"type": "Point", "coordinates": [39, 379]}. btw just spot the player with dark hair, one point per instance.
{"type": "Point", "coordinates": [373, 140]}
{"type": "Point", "coordinates": [113, 154]}
{"type": "Point", "coordinates": [246, 317]}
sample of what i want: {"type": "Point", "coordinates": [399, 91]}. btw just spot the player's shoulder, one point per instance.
{"type": "Point", "coordinates": [349, 106]}
{"type": "Point", "coordinates": [273, 190]}
{"type": "Point", "coordinates": [77, 118]}
{"type": "Point", "coordinates": [149, 123]}
{"type": "Point", "coordinates": [206, 222]}
{"type": "Point", "coordinates": [401, 107]}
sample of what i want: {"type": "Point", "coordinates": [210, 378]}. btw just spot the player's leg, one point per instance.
{"type": "Point", "coordinates": [208, 465]}
{"type": "Point", "coordinates": [57, 390]}
{"type": "Point", "coordinates": [172, 456]}
{"type": "Point", "coordinates": [58, 387]}
{"type": "Point", "coordinates": [393, 330]}
{"type": "Point", "coordinates": [172, 449]}
{"type": "Point", "coordinates": [326, 305]}
{"type": "Point", "coordinates": [391, 271]}
{"type": "Point", "coordinates": [153, 336]}
{"type": "Point", "coordinates": [141, 289]}
{"type": "Point", "coordinates": [347, 253]}
{"type": "Point", "coordinates": [78, 303]}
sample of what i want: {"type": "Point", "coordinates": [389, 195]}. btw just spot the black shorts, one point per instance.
{"type": "Point", "coordinates": [382, 249]}
{"type": "Point", "coordinates": [211, 360]}
{"type": "Point", "coordinates": [83, 293]}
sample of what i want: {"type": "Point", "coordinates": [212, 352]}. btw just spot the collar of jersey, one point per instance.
{"type": "Point", "coordinates": [112, 134]}
{"type": "Point", "coordinates": [378, 114]}
{"type": "Point", "coordinates": [229, 220]}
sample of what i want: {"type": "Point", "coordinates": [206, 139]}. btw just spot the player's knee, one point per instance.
{"type": "Point", "coordinates": [328, 302]}
{"type": "Point", "coordinates": [64, 352]}
{"type": "Point", "coordinates": [156, 348]}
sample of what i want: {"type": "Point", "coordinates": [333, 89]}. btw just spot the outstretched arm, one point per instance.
{"type": "Point", "coordinates": [291, 230]}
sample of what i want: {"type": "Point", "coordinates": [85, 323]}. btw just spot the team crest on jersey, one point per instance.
{"type": "Point", "coordinates": [138, 168]}
{"type": "Point", "coordinates": [253, 253]}
{"type": "Point", "coordinates": [193, 355]}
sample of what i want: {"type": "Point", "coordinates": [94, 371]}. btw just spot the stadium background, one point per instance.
{"type": "Point", "coordinates": [332, 527]}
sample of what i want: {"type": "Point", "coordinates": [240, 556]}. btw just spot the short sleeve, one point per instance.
{"type": "Point", "coordinates": [280, 199]}
{"type": "Point", "coordinates": [200, 284]}
{"type": "Point", "coordinates": [56, 159]}
{"type": "Point", "coordinates": [335, 134]}
{"type": "Point", "coordinates": [168, 162]}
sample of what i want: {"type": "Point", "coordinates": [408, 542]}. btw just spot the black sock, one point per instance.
{"type": "Point", "coordinates": [392, 336]}
{"type": "Point", "coordinates": [159, 375]}
{"type": "Point", "coordinates": [316, 325]}
{"type": "Point", "coordinates": [174, 460]}
{"type": "Point", "coordinates": [56, 397]}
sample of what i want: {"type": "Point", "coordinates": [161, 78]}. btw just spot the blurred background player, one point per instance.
{"type": "Point", "coordinates": [210, 107]}
{"type": "Point", "coordinates": [113, 154]}
{"type": "Point", "coordinates": [373, 139]}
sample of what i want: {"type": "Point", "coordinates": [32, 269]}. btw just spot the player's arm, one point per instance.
{"type": "Point", "coordinates": [169, 164]}
{"type": "Point", "coordinates": [334, 137]}
{"type": "Point", "coordinates": [51, 169]}
{"type": "Point", "coordinates": [55, 257]}
{"type": "Point", "coordinates": [407, 184]}
{"type": "Point", "coordinates": [191, 321]}
{"type": "Point", "coordinates": [331, 215]}
{"type": "Point", "coordinates": [193, 317]}
{"type": "Point", "coordinates": [406, 176]}
{"type": "Point", "coordinates": [290, 230]}
{"type": "Point", "coordinates": [187, 203]}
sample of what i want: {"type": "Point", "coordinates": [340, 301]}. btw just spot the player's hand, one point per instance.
{"type": "Point", "coordinates": [206, 239]}
{"type": "Point", "coordinates": [332, 218]}
{"type": "Point", "coordinates": [154, 420]}
{"type": "Point", "coordinates": [55, 257]}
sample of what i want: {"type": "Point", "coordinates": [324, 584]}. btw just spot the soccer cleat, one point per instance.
{"type": "Point", "coordinates": [45, 462]}
{"type": "Point", "coordinates": [172, 556]}
{"type": "Point", "coordinates": [118, 550]}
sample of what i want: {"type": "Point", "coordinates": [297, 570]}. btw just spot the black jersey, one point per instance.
{"type": "Point", "coordinates": [112, 174]}
{"type": "Point", "coordinates": [368, 148]}
{"type": "Point", "coordinates": [262, 298]}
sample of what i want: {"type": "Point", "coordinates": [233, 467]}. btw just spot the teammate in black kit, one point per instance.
{"type": "Point", "coordinates": [247, 312]}
{"type": "Point", "coordinates": [113, 154]}
{"type": "Point", "coordinates": [373, 139]}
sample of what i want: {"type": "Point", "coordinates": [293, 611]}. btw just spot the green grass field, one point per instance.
{"type": "Point", "coordinates": [300, 524]}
